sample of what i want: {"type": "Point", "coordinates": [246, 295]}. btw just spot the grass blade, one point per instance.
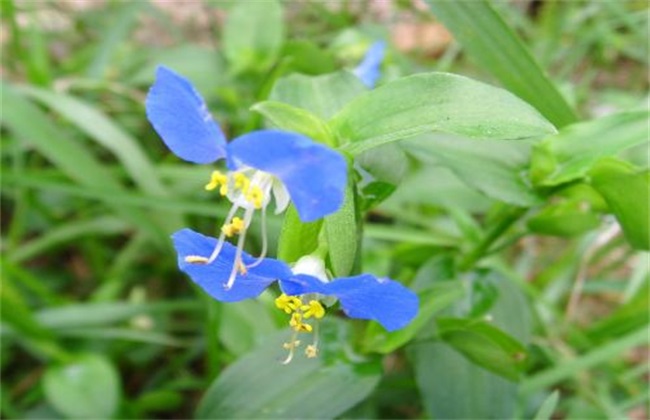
{"type": "Point", "coordinates": [495, 47]}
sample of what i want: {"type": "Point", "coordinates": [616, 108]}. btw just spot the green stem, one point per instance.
{"type": "Point", "coordinates": [510, 216]}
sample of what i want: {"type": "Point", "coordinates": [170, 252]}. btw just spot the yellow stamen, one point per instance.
{"type": "Point", "coordinates": [242, 268]}
{"type": "Point", "coordinates": [242, 182]}
{"type": "Point", "coordinates": [233, 228]}
{"type": "Point", "coordinates": [297, 324]}
{"type": "Point", "coordinates": [196, 259]}
{"type": "Point", "coordinates": [288, 304]}
{"type": "Point", "coordinates": [314, 308]}
{"type": "Point", "coordinates": [291, 345]}
{"type": "Point", "coordinates": [255, 196]}
{"type": "Point", "coordinates": [216, 179]}
{"type": "Point", "coordinates": [311, 351]}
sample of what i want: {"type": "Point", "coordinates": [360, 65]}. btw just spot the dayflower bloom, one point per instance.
{"type": "Point", "coordinates": [260, 164]}
{"type": "Point", "coordinates": [368, 71]}
{"type": "Point", "coordinates": [304, 287]}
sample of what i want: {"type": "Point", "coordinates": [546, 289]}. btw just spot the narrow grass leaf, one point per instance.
{"type": "Point", "coordinates": [496, 47]}
{"type": "Point", "coordinates": [100, 128]}
{"type": "Point", "coordinates": [66, 232]}
{"type": "Point", "coordinates": [570, 369]}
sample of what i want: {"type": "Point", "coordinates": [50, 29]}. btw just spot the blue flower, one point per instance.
{"type": "Point", "coordinates": [262, 164]}
{"type": "Point", "coordinates": [364, 297]}
{"type": "Point", "coordinates": [368, 71]}
{"type": "Point", "coordinates": [253, 275]}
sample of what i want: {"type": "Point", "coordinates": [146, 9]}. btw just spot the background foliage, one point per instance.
{"type": "Point", "coordinates": [520, 216]}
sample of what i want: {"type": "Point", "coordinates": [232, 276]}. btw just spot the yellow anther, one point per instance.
{"type": "Point", "coordinates": [291, 345]}
{"type": "Point", "coordinates": [233, 228]}
{"type": "Point", "coordinates": [216, 179]}
{"type": "Point", "coordinates": [297, 324]}
{"type": "Point", "coordinates": [288, 303]}
{"type": "Point", "coordinates": [314, 308]}
{"type": "Point", "coordinates": [196, 259]}
{"type": "Point", "coordinates": [311, 351]}
{"type": "Point", "coordinates": [242, 268]}
{"type": "Point", "coordinates": [242, 182]}
{"type": "Point", "coordinates": [255, 196]}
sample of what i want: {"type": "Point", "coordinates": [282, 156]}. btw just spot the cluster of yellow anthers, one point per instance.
{"type": "Point", "coordinates": [300, 311]}
{"type": "Point", "coordinates": [238, 182]}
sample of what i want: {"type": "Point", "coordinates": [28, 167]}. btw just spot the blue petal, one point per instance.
{"type": "Point", "coordinates": [300, 284]}
{"type": "Point", "coordinates": [314, 175]}
{"type": "Point", "coordinates": [181, 118]}
{"type": "Point", "coordinates": [212, 277]}
{"type": "Point", "coordinates": [364, 297]}
{"type": "Point", "coordinates": [368, 71]}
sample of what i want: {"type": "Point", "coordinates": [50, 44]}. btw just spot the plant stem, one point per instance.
{"type": "Point", "coordinates": [509, 216]}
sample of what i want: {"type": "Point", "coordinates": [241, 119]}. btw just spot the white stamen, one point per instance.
{"type": "Point", "coordinates": [240, 249]}
{"type": "Point", "coordinates": [222, 236]}
{"type": "Point", "coordinates": [264, 241]}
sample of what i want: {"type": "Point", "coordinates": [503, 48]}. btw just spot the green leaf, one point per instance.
{"type": "Point", "coordinates": [65, 232]}
{"type": "Point", "coordinates": [452, 387]}
{"type": "Point", "coordinates": [570, 154]}
{"type": "Point", "coordinates": [474, 391]}
{"type": "Point", "coordinates": [118, 26]}
{"type": "Point", "coordinates": [432, 300]}
{"type": "Point", "coordinates": [306, 57]}
{"type": "Point", "coordinates": [321, 95]}
{"type": "Point", "coordinates": [100, 128]}
{"type": "Point", "coordinates": [253, 35]}
{"type": "Point", "coordinates": [87, 387]}
{"type": "Point", "coordinates": [342, 235]}
{"type": "Point", "coordinates": [485, 345]}
{"type": "Point", "coordinates": [18, 314]}
{"type": "Point", "coordinates": [259, 386]}
{"type": "Point", "coordinates": [298, 120]}
{"type": "Point", "coordinates": [545, 412]}
{"type": "Point", "coordinates": [430, 102]}
{"type": "Point", "coordinates": [626, 190]}
{"type": "Point", "coordinates": [490, 166]}
{"type": "Point", "coordinates": [30, 124]}
{"type": "Point", "coordinates": [566, 219]}
{"type": "Point", "coordinates": [497, 49]}
{"type": "Point", "coordinates": [297, 238]}
{"type": "Point", "coordinates": [203, 66]}
{"type": "Point", "coordinates": [611, 351]}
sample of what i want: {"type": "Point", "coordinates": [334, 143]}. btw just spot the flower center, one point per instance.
{"type": "Point", "coordinates": [249, 190]}
{"type": "Point", "coordinates": [300, 311]}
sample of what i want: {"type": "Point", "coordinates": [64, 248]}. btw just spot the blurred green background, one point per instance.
{"type": "Point", "coordinates": [97, 321]}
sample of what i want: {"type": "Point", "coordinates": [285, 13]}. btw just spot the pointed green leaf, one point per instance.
{"type": "Point", "coordinates": [485, 345]}
{"type": "Point", "coordinates": [431, 102]}
{"type": "Point", "coordinates": [323, 95]}
{"type": "Point", "coordinates": [568, 155]}
{"type": "Point", "coordinates": [298, 120]}
{"type": "Point", "coordinates": [296, 237]}
{"type": "Point", "coordinates": [626, 190]}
